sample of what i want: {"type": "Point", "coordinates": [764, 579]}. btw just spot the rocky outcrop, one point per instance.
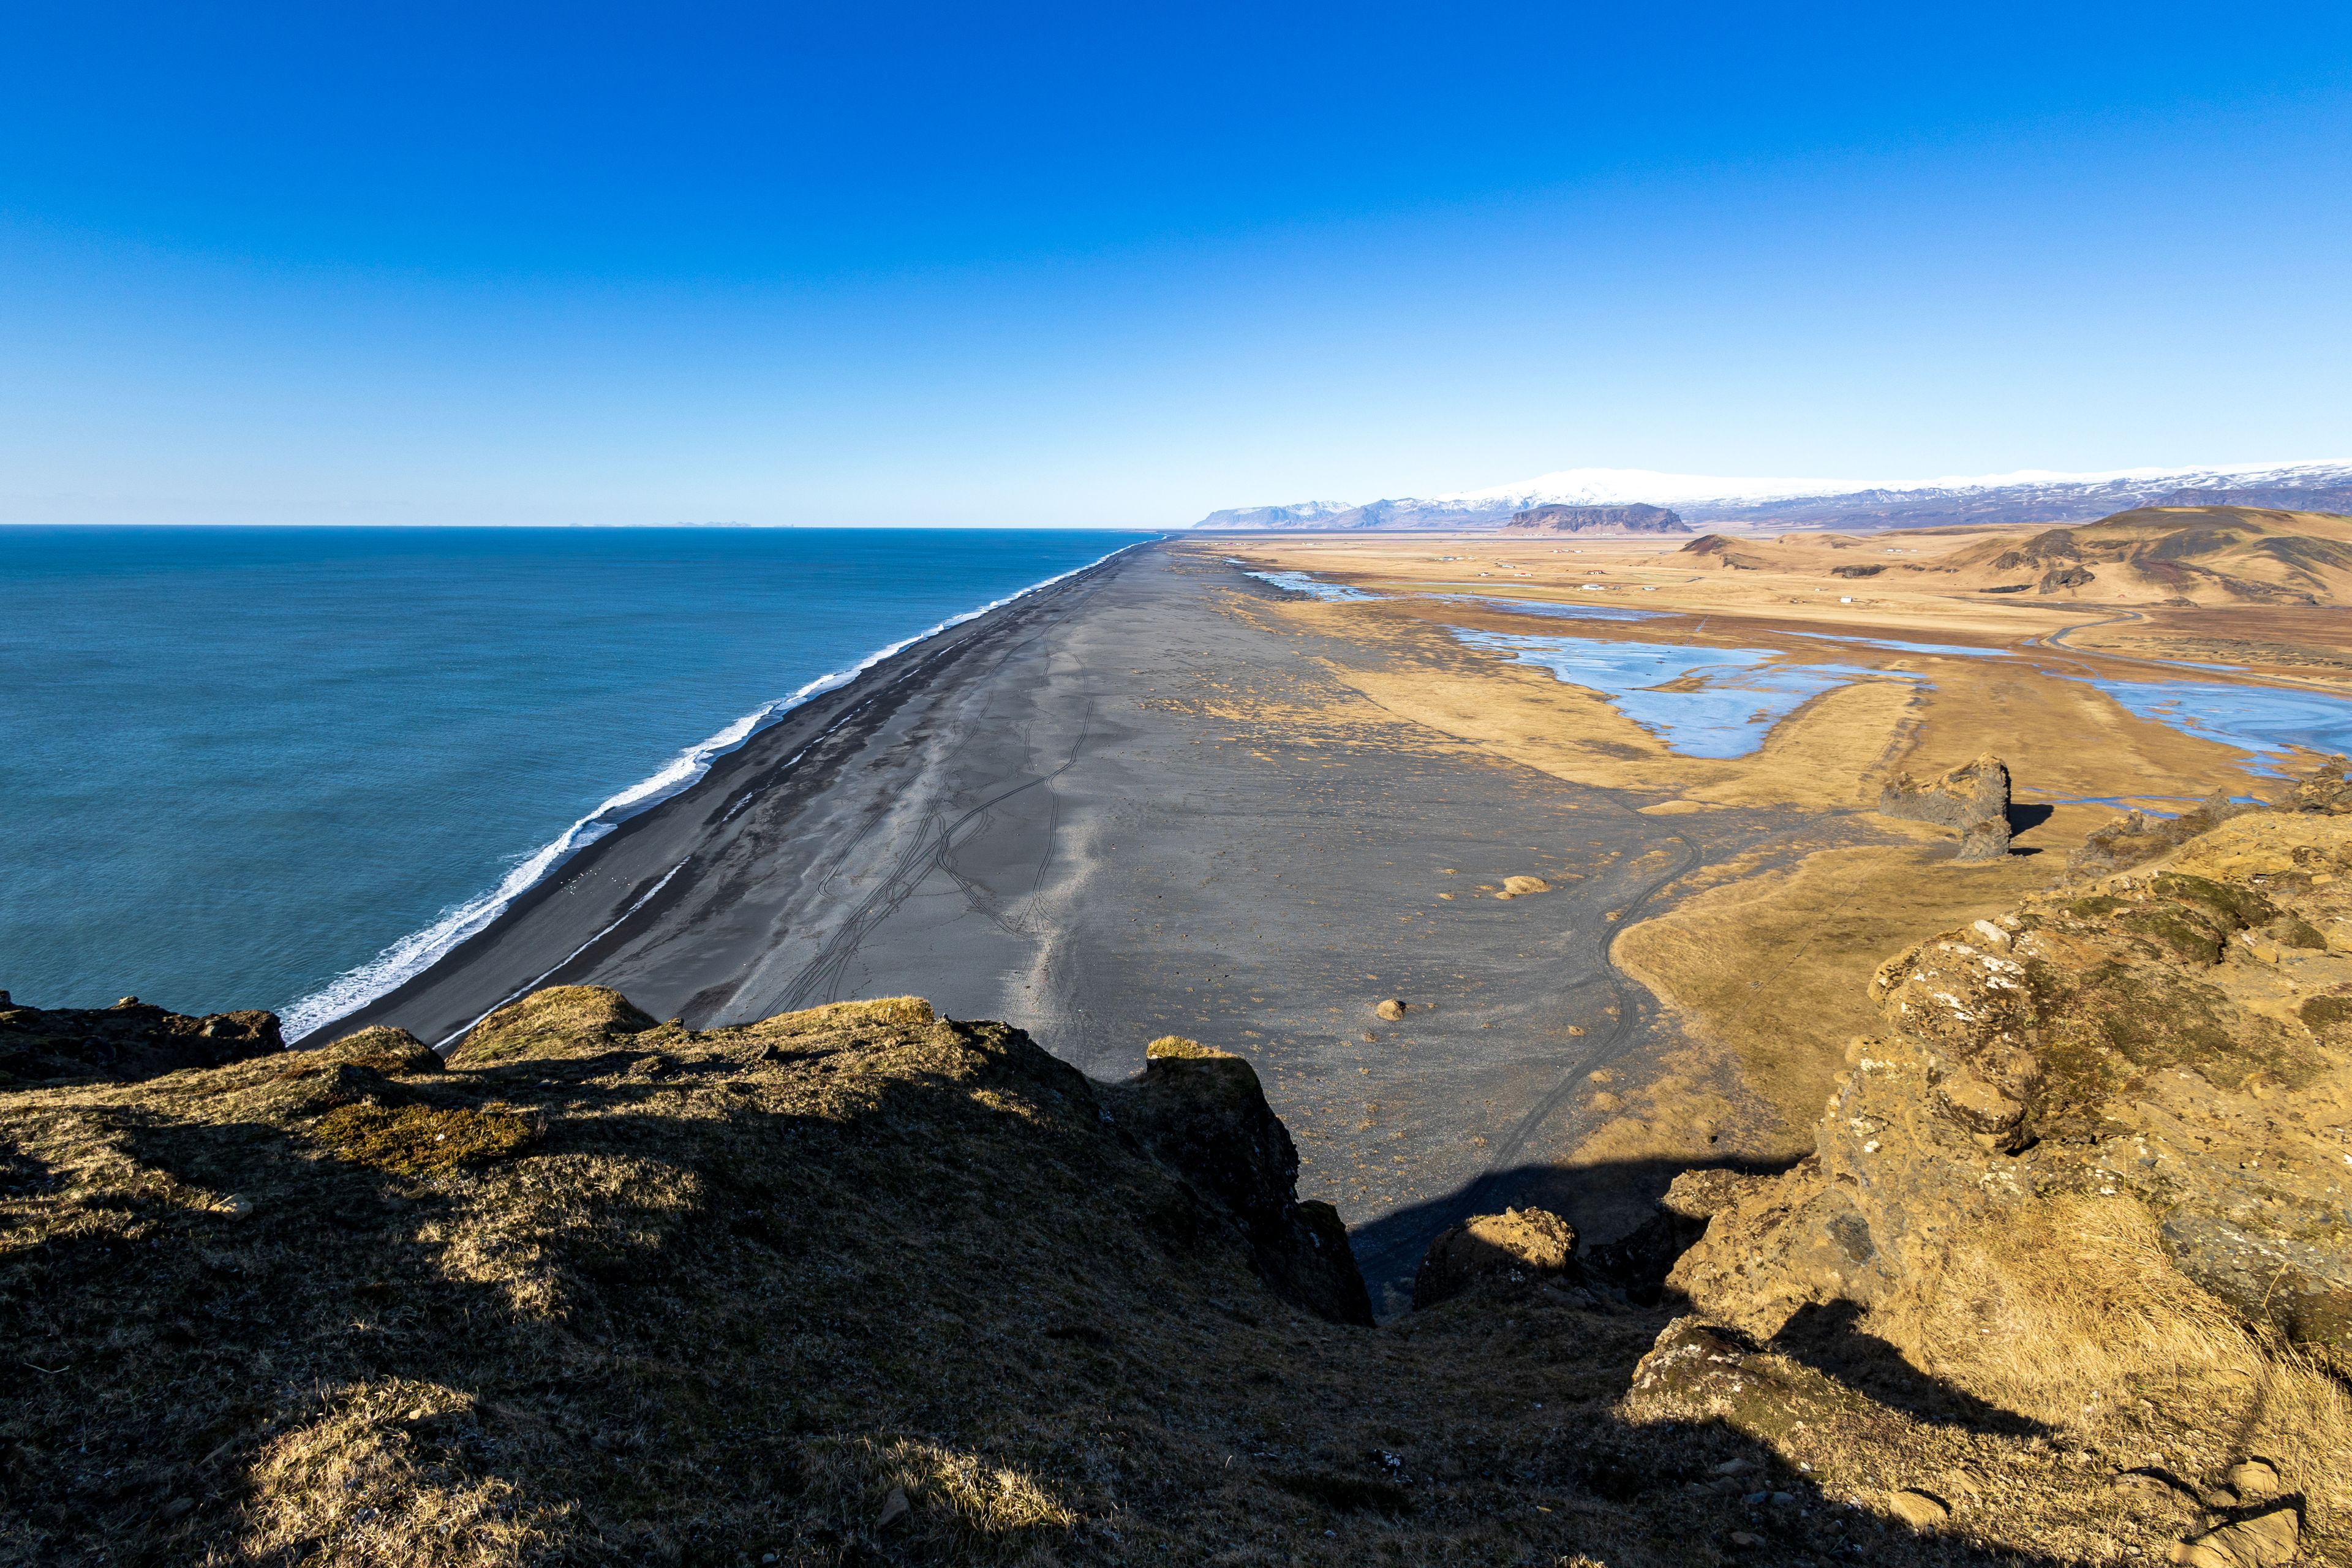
{"type": "Point", "coordinates": [1635, 518]}
{"type": "Point", "coordinates": [1973, 799]}
{"type": "Point", "coordinates": [2324, 787]}
{"type": "Point", "coordinates": [2136, 838]}
{"type": "Point", "coordinates": [131, 1040]}
{"type": "Point", "coordinates": [1517, 1245]}
{"type": "Point", "coordinates": [1200, 1111]}
{"type": "Point", "coordinates": [2128, 1089]}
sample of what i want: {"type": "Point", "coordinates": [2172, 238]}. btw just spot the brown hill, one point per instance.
{"type": "Point", "coordinates": [2217, 554]}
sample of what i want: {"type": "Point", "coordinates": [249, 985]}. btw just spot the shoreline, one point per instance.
{"type": "Point", "coordinates": [1143, 803]}
{"type": "Point", "coordinates": [478, 920]}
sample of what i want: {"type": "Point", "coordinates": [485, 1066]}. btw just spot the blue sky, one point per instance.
{"type": "Point", "coordinates": [1115, 265]}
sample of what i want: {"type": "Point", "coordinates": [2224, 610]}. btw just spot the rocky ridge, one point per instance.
{"type": "Point", "coordinates": [2063, 1281]}
{"type": "Point", "coordinates": [2091, 1178]}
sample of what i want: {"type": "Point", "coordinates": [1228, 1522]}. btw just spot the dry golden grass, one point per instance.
{"type": "Point", "coordinates": [1776, 965]}
{"type": "Point", "coordinates": [1177, 1047]}
{"type": "Point", "coordinates": [881, 1289]}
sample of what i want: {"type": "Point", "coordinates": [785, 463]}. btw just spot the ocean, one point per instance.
{"type": "Point", "coordinates": [285, 767]}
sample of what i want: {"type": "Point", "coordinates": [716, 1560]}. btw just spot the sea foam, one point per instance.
{"type": "Point", "coordinates": [420, 950]}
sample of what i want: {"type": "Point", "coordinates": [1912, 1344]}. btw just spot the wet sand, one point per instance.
{"type": "Point", "coordinates": [1140, 803]}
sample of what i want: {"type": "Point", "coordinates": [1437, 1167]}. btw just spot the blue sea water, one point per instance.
{"type": "Point", "coordinates": [283, 767]}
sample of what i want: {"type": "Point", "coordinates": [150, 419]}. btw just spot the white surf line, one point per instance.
{"type": "Point", "coordinates": [420, 950]}
{"type": "Point", "coordinates": [532, 983]}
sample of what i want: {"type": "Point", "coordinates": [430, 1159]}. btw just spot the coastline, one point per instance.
{"type": "Point", "coordinates": [1143, 803]}
{"type": "Point", "coordinates": [357, 991]}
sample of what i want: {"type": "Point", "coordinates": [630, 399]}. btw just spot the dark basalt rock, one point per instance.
{"type": "Point", "coordinates": [1202, 1112]}
{"type": "Point", "coordinates": [128, 1041]}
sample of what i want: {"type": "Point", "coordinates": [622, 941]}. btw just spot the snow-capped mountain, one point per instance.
{"type": "Point", "coordinates": [2032, 495]}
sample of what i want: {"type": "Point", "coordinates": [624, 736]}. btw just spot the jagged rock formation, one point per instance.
{"type": "Point", "coordinates": [2102, 1040]}
{"type": "Point", "coordinates": [2099, 1144]}
{"type": "Point", "coordinates": [132, 1039]}
{"type": "Point", "coordinates": [1635, 518]}
{"type": "Point", "coordinates": [1973, 798]}
{"type": "Point", "coordinates": [1202, 1112]}
{"type": "Point", "coordinates": [2136, 838]}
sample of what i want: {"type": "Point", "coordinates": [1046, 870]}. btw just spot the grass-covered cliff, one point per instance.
{"type": "Point", "coordinates": [862, 1285]}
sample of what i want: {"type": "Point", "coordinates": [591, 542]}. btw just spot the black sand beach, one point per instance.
{"type": "Point", "coordinates": [1115, 810]}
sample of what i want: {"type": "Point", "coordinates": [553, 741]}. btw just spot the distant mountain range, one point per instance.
{"type": "Point", "coordinates": [2033, 496]}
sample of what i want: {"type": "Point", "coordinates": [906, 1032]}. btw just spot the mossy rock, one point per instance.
{"type": "Point", "coordinates": [2293, 931]}
{"type": "Point", "coordinates": [2237, 908]}
{"type": "Point", "coordinates": [2325, 1015]}
{"type": "Point", "coordinates": [388, 1050]}
{"type": "Point", "coordinates": [2182, 931]}
{"type": "Point", "coordinates": [2098, 906]}
{"type": "Point", "coordinates": [418, 1140]}
{"type": "Point", "coordinates": [2155, 1021]}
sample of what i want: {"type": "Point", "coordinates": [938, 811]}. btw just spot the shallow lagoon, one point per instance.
{"type": "Point", "coordinates": [1956, 651]}
{"type": "Point", "coordinates": [1300, 582]}
{"type": "Point", "coordinates": [1735, 697]}
{"type": "Point", "coordinates": [2268, 720]}
{"type": "Point", "coordinates": [1553, 607]}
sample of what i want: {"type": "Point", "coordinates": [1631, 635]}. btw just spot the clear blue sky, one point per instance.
{"type": "Point", "coordinates": [1123, 263]}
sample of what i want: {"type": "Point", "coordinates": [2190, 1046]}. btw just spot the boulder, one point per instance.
{"type": "Point", "coordinates": [2265, 1539]}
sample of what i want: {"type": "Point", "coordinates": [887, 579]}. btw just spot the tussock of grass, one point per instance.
{"type": "Point", "coordinates": [879, 1010]}
{"type": "Point", "coordinates": [1176, 1048]}
{"type": "Point", "coordinates": [2072, 1312]}
{"type": "Point", "coordinates": [563, 1020]}
{"type": "Point", "coordinates": [418, 1140]}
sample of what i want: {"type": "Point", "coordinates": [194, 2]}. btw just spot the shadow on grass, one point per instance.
{"type": "Point", "coordinates": [740, 1329]}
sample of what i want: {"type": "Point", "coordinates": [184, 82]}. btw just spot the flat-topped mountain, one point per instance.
{"type": "Point", "coordinates": [1633, 518]}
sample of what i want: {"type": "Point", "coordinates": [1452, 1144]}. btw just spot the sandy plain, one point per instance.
{"type": "Point", "coordinates": [1170, 797]}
